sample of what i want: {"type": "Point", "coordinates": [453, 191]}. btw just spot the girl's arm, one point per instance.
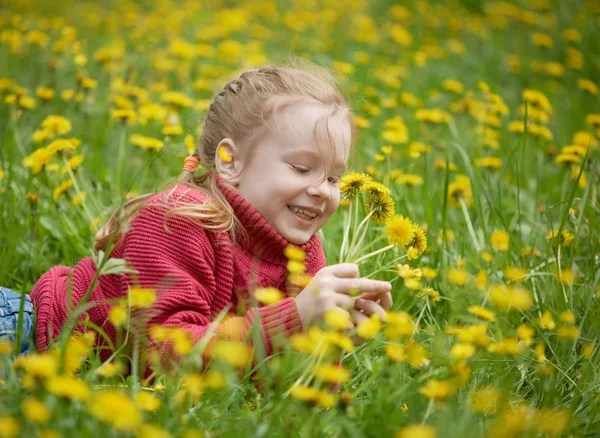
{"type": "Point", "coordinates": [193, 278]}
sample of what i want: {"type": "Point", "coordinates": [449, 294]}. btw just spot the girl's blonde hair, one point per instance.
{"type": "Point", "coordinates": [241, 112]}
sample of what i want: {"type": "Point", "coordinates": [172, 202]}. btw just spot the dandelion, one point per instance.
{"type": "Point", "coordinates": [56, 125]}
{"type": "Point", "coordinates": [458, 277]}
{"type": "Point", "coordinates": [462, 351]}
{"type": "Point", "coordinates": [507, 298]}
{"type": "Point", "coordinates": [400, 231]}
{"type": "Point", "coordinates": [486, 400]}
{"type": "Point", "coordinates": [546, 321]}
{"type": "Point", "coordinates": [417, 431]}
{"type": "Point", "coordinates": [115, 408]}
{"type": "Point", "coordinates": [567, 317]}
{"type": "Point", "coordinates": [124, 115]}
{"type": "Point", "coordinates": [430, 293]}
{"type": "Point", "coordinates": [568, 332]}
{"type": "Point", "coordinates": [331, 373]}
{"type": "Point", "coordinates": [525, 333]}
{"type": "Point", "coordinates": [352, 184]}
{"type": "Point", "coordinates": [396, 352]}
{"type": "Point", "coordinates": [35, 411]}
{"type": "Point", "coordinates": [460, 190]}
{"type": "Point", "coordinates": [236, 354]}
{"type": "Point", "coordinates": [38, 159]}
{"type": "Point", "coordinates": [499, 240]}
{"type": "Point", "coordinates": [146, 142]}
{"type": "Point", "coordinates": [565, 238]}
{"type": "Point", "coordinates": [146, 401]}
{"type": "Point", "coordinates": [419, 241]}
{"type": "Point", "coordinates": [69, 387]}
{"type": "Point", "coordinates": [118, 314]}
{"type": "Point", "coordinates": [268, 295]}
{"type": "Point", "coordinates": [62, 188]}
{"type": "Point", "coordinates": [142, 297]}
{"type": "Point", "coordinates": [337, 320]}
{"type": "Point", "coordinates": [9, 427]}
{"type": "Point", "coordinates": [436, 389]}
{"type": "Point", "coordinates": [38, 364]}
{"type": "Point", "coordinates": [512, 273]}
{"type": "Point", "coordinates": [482, 313]}
{"type": "Point", "coordinates": [367, 328]}
{"type": "Point", "coordinates": [399, 324]}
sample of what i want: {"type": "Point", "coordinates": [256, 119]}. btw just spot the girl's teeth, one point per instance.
{"type": "Point", "coordinates": [302, 213]}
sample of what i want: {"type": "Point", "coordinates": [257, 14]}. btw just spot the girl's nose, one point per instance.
{"type": "Point", "coordinates": [320, 189]}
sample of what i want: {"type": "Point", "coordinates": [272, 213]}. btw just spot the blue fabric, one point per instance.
{"type": "Point", "coordinates": [10, 303]}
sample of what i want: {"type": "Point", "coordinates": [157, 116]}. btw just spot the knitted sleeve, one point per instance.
{"type": "Point", "coordinates": [175, 257]}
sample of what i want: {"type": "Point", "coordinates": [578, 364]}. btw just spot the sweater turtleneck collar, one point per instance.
{"type": "Point", "coordinates": [260, 238]}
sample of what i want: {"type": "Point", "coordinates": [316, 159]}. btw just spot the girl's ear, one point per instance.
{"type": "Point", "coordinates": [228, 161]}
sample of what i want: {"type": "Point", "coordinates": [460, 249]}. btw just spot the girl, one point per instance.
{"type": "Point", "coordinates": [275, 143]}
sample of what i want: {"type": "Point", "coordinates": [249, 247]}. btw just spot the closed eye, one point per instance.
{"type": "Point", "coordinates": [300, 169]}
{"type": "Point", "coordinates": [335, 180]}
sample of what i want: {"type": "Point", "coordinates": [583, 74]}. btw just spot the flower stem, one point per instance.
{"type": "Point", "coordinates": [469, 225]}
{"type": "Point", "coordinates": [362, 231]}
{"type": "Point", "coordinates": [374, 253]}
{"type": "Point", "coordinates": [120, 158]}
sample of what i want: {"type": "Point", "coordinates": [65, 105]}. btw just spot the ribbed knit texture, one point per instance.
{"type": "Point", "coordinates": [195, 272]}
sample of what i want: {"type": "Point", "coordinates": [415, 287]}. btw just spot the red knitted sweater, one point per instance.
{"type": "Point", "coordinates": [196, 273]}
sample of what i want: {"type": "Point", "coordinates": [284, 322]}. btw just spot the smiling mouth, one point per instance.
{"type": "Point", "coordinates": [303, 213]}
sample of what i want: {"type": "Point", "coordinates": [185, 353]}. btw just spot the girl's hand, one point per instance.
{"type": "Point", "coordinates": [332, 288]}
{"type": "Point", "coordinates": [365, 306]}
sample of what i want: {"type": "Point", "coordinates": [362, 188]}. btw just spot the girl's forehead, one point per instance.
{"type": "Point", "coordinates": [313, 127]}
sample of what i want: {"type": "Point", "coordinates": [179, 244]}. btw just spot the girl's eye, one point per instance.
{"type": "Point", "coordinates": [300, 169]}
{"type": "Point", "coordinates": [335, 180]}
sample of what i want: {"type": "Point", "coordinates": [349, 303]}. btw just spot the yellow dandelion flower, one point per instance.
{"type": "Point", "coordinates": [69, 387]}
{"type": "Point", "coordinates": [118, 314]}
{"type": "Point", "coordinates": [500, 240]}
{"type": "Point", "coordinates": [399, 324]}
{"type": "Point", "coordinates": [331, 373]}
{"type": "Point", "coordinates": [507, 298]}
{"type": "Point", "coordinates": [525, 333]}
{"type": "Point", "coordinates": [567, 317]}
{"type": "Point", "coordinates": [38, 364]}
{"type": "Point", "coordinates": [381, 206]}
{"type": "Point", "coordinates": [396, 352]}
{"type": "Point", "coordinates": [436, 389]}
{"type": "Point", "coordinates": [566, 276]}
{"type": "Point", "coordinates": [141, 297]}
{"type": "Point", "coordinates": [145, 401]}
{"type": "Point", "coordinates": [486, 400]}
{"type": "Point", "coordinates": [268, 295]}
{"type": "Point", "coordinates": [458, 277]}
{"type": "Point", "coordinates": [367, 328]}
{"type": "Point", "coordinates": [546, 321]}
{"type": "Point", "coordinates": [35, 411]}
{"type": "Point", "coordinates": [482, 313]}
{"type": "Point", "coordinates": [417, 431]}
{"type": "Point", "coordinates": [400, 231]}
{"type": "Point", "coordinates": [337, 320]}
{"type": "Point", "coordinates": [353, 183]}
{"type": "Point", "coordinates": [568, 332]}
{"type": "Point", "coordinates": [512, 273]}
{"type": "Point", "coordinates": [124, 115]}
{"type": "Point", "coordinates": [146, 142]}
{"type": "Point", "coordinates": [459, 189]}
{"type": "Point", "coordinates": [236, 354]}
{"type": "Point", "coordinates": [115, 408]}
{"type": "Point", "coordinates": [462, 351]}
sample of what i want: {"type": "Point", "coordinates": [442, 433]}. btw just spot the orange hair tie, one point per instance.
{"type": "Point", "coordinates": [190, 164]}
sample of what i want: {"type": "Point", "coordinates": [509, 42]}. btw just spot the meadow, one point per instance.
{"type": "Point", "coordinates": [473, 188]}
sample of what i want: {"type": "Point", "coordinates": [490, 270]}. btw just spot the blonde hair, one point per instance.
{"type": "Point", "coordinates": [241, 111]}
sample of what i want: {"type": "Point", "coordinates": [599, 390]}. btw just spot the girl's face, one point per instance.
{"type": "Point", "coordinates": [292, 182]}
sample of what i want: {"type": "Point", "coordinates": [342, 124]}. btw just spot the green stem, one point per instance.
{"type": "Point", "coordinates": [469, 225]}
{"type": "Point", "coordinates": [374, 253]}
{"type": "Point", "coordinates": [362, 231]}
{"type": "Point", "coordinates": [348, 219]}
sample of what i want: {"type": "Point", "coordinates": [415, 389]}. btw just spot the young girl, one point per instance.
{"type": "Point", "coordinates": [274, 143]}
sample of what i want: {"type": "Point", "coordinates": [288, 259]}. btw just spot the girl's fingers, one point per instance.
{"type": "Point", "coordinates": [344, 301]}
{"type": "Point", "coordinates": [370, 308]}
{"type": "Point", "coordinates": [354, 285]}
{"type": "Point", "coordinates": [357, 317]}
{"type": "Point", "coordinates": [344, 270]}
{"type": "Point", "coordinates": [385, 299]}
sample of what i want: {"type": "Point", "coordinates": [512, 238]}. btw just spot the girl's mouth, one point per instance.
{"type": "Point", "coordinates": [304, 215]}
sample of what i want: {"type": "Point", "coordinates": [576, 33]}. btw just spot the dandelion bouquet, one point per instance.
{"type": "Point", "coordinates": [371, 221]}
